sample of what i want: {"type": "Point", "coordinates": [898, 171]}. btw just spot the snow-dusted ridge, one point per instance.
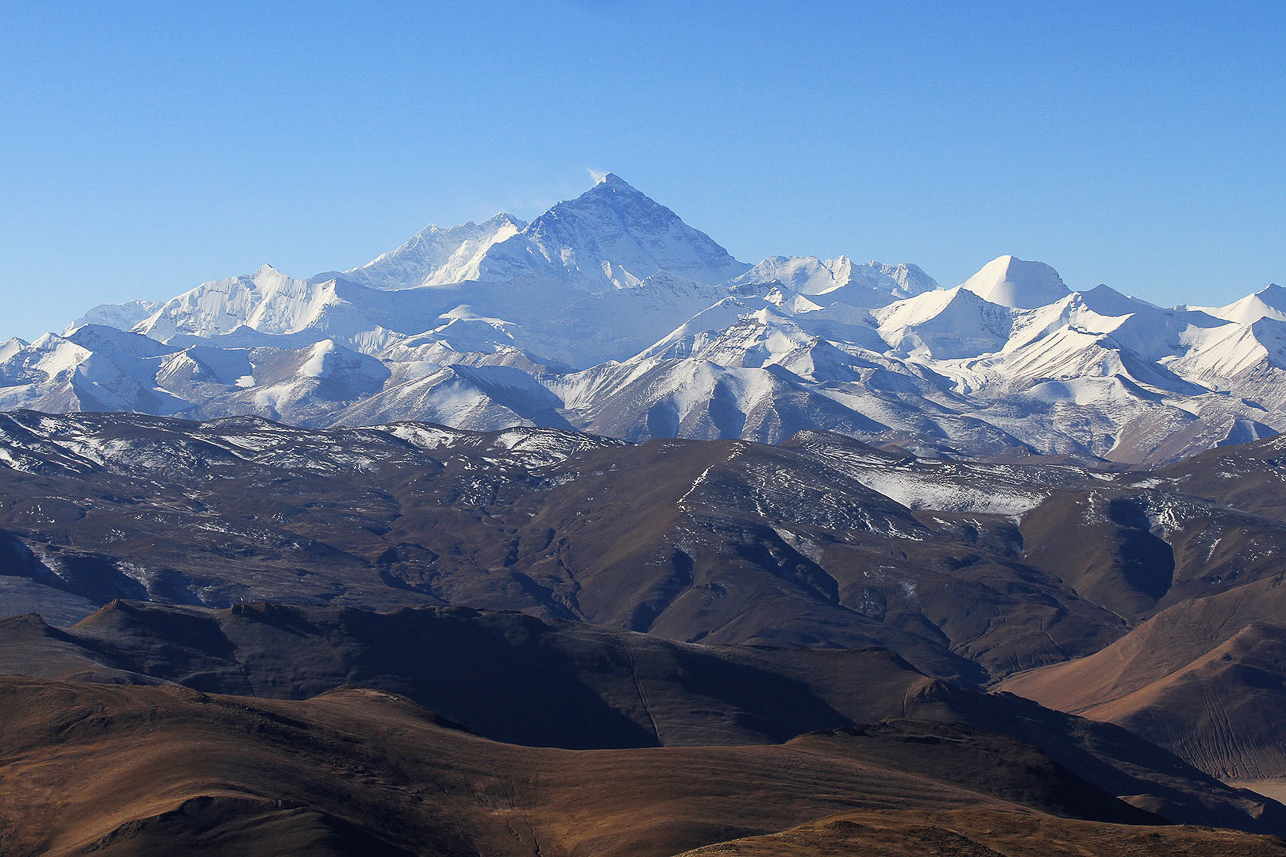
{"type": "Point", "coordinates": [608, 313]}
{"type": "Point", "coordinates": [435, 256]}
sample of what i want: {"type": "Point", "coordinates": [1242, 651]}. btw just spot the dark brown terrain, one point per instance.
{"type": "Point", "coordinates": [516, 679]}
{"type": "Point", "coordinates": [974, 833]}
{"type": "Point", "coordinates": [244, 626]}
{"type": "Point", "coordinates": [717, 541]}
{"type": "Point", "coordinates": [127, 770]}
{"type": "Point", "coordinates": [1203, 676]}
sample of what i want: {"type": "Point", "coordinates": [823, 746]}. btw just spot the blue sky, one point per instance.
{"type": "Point", "coordinates": [147, 147]}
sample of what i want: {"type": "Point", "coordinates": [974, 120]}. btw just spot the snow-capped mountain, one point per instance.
{"type": "Point", "coordinates": [611, 236]}
{"type": "Point", "coordinates": [436, 256]}
{"type": "Point", "coordinates": [1269, 302]}
{"type": "Point", "coordinates": [123, 316]}
{"type": "Point", "coordinates": [828, 281]}
{"type": "Point", "coordinates": [267, 301]}
{"type": "Point", "coordinates": [1014, 283]}
{"type": "Point", "coordinates": [609, 313]}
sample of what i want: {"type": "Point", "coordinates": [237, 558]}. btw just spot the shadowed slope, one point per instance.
{"type": "Point", "coordinates": [720, 541]}
{"type": "Point", "coordinates": [1203, 679]}
{"type": "Point", "coordinates": [518, 679]}
{"type": "Point", "coordinates": [577, 685]}
{"type": "Point", "coordinates": [132, 770]}
{"type": "Point", "coordinates": [972, 833]}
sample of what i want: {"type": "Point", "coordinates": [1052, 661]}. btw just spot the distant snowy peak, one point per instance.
{"type": "Point", "coordinates": [900, 281]}
{"type": "Point", "coordinates": [840, 280]}
{"type": "Point", "coordinates": [609, 313]}
{"type": "Point", "coordinates": [435, 256]}
{"type": "Point", "coordinates": [1269, 302]}
{"type": "Point", "coordinates": [120, 316]}
{"type": "Point", "coordinates": [267, 301]}
{"type": "Point", "coordinates": [610, 237]}
{"type": "Point", "coordinates": [805, 275]}
{"type": "Point", "coordinates": [1246, 358]}
{"type": "Point", "coordinates": [1105, 300]}
{"type": "Point", "coordinates": [945, 325]}
{"type": "Point", "coordinates": [1012, 282]}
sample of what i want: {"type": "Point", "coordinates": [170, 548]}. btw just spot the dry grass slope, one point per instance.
{"type": "Point", "coordinates": [126, 770]}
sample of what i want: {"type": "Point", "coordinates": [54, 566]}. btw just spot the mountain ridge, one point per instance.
{"type": "Point", "coordinates": [593, 296]}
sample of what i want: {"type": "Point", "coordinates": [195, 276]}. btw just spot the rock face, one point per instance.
{"type": "Point", "coordinates": [609, 314]}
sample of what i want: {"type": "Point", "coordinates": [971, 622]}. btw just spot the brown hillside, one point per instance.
{"type": "Point", "coordinates": [126, 770]}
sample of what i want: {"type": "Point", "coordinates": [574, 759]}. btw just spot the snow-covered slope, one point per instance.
{"type": "Point", "coordinates": [435, 256]}
{"type": "Point", "coordinates": [1269, 302]}
{"type": "Point", "coordinates": [267, 301]}
{"type": "Point", "coordinates": [1014, 283]}
{"type": "Point", "coordinates": [609, 313]}
{"type": "Point", "coordinates": [828, 281]}
{"type": "Point", "coordinates": [122, 316]}
{"type": "Point", "coordinates": [611, 236]}
{"type": "Point", "coordinates": [946, 324]}
{"type": "Point", "coordinates": [1248, 360]}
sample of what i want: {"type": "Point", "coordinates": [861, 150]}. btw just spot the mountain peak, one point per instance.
{"type": "Point", "coordinates": [431, 232]}
{"type": "Point", "coordinates": [611, 236]}
{"type": "Point", "coordinates": [1105, 300]}
{"type": "Point", "coordinates": [1268, 302]}
{"type": "Point", "coordinates": [612, 187]}
{"type": "Point", "coordinates": [613, 180]}
{"type": "Point", "coordinates": [1273, 295]}
{"type": "Point", "coordinates": [267, 278]}
{"type": "Point", "coordinates": [1013, 282]}
{"type": "Point", "coordinates": [504, 218]}
{"type": "Point", "coordinates": [437, 255]}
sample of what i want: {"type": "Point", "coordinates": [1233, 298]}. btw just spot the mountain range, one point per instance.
{"type": "Point", "coordinates": [582, 537]}
{"type": "Point", "coordinates": [1094, 591]}
{"type": "Point", "coordinates": [414, 639]}
{"type": "Point", "coordinates": [609, 314]}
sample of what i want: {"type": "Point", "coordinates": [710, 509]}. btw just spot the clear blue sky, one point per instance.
{"type": "Point", "coordinates": [147, 147]}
